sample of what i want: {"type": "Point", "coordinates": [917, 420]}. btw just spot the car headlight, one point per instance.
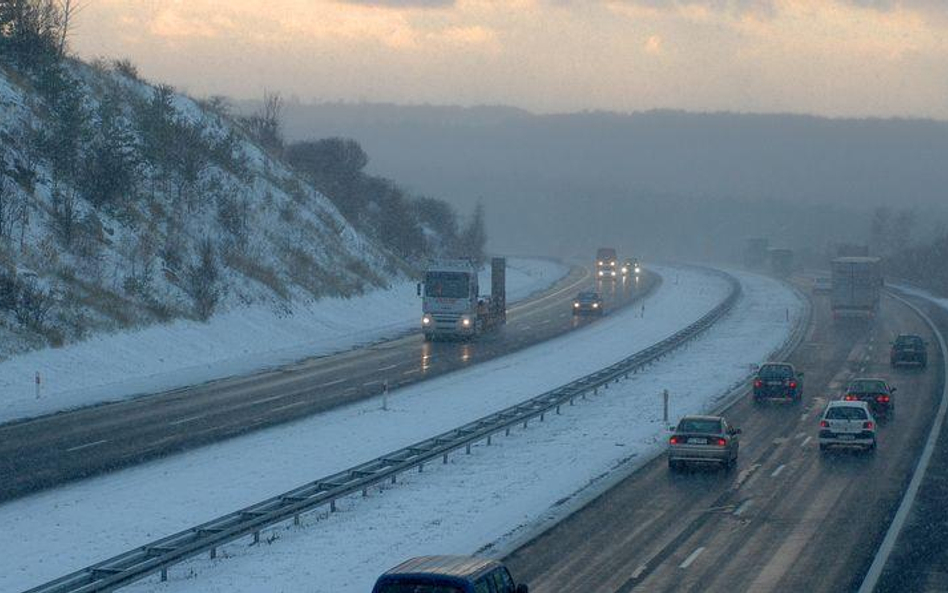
{"type": "Point", "coordinates": [625, 270]}
{"type": "Point", "coordinates": [600, 263]}
{"type": "Point", "coordinates": [595, 305]}
{"type": "Point", "coordinates": [613, 273]}
{"type": "Point", "coordinates": [637, 269]}
{"type": "Point", "coordinates": [426, 320]}
{"type": "Point", "coordinates": [466, 321]}
{"type": "Point", "coordinates": [601, 273]}
{"type": "Point", "coordinates": [576, 305]}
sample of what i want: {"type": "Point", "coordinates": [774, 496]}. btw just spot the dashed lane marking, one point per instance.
{"type": "Point", "coordinates": [388, 368]}
{"type": "Point", "coordinates": [690, 559]}
{"type": "Point", "coordinates": [288, 406]}
{"type": "Point", "coordinates": [331, 383]}
{"type": "Point", "coordinates": [805, 441]}
{"type": "Point", "coordinates": [778, 471]}
{"type": "Point", "coordinates": [86, 446]}
{"type": "Point", "coordinates": [186, 420]}
{"type": "Point", "coordinates": [411, 372]}
{"type": "Point", "coordinates": [742, 507]}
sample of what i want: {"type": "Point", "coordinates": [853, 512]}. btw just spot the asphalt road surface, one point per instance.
{"type": "Point", "coordinates": [48, 451]}
{"type": "Point", "coordinates": [788, 518]}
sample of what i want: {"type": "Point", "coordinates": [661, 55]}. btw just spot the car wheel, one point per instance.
{"type": "Point", "coordinates": [672, 465]}
{"type": "Point", "coordinates": [872, 448]}
{"type": "Point", "coordinates": [823, 448]}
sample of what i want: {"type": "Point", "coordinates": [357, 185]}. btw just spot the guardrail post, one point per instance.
{"type": "Point", "coordinates": [665, 406]}
{"type": "Point", "coordinates": [256, 537]}
{"type": "Point", "coordinates": [164, 575]}
{"type": "Point", "coordinates": [445, 458]}
{"type": "Point", "coordinates": [525, 423]}
{"type": "Point", "coordinates": [507, 432]}
{"type": "Point", "coordinates": [365, 492]}
{"type": "Point", "coordinates": [595, 391]}
{"type": "Point", "coordinates": [557, 409]}
{"type": "Point", "coordinates": [488, 440]}
{"type": "Point", "coordinates": [542, 414]}
{"type": "Point", "coordinates": [468, 449]}
{"type": "Point", "coordinates": [296, 518]}
{"type": "Point", "coordinates": [213, 553]}
{"type": "Point", "coordinates": [394, 478]}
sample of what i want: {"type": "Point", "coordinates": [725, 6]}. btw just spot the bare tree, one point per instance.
{"type": "Point", "coordinates": [68, 9]}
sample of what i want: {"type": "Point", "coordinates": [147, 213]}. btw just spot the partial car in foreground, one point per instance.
{"type": "Point", "coordinates": [448, 574]}
{"type": "Point", "coordinates": [909, 349]}
{"type": "Point", "coordinates": [847, 424]}
{"type": "Point", "coordinates": [703, 439]}
{"type": "Point", "coordinates": [876, 393]}
{"type": "Point", "coordinates": [587, 303]}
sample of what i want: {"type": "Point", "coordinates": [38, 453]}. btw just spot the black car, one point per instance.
{"type": "Point", "coordinates": [909, 349]}
{"type": "Point", "coordinates": [587, 303]}
{"type": "Point", "coordinates": [875, 392]}
{"type": "Point", "coordinates": [778, 380]}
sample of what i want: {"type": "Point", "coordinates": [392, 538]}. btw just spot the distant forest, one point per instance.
{"type": "Point", "coordinates": [660, 184]}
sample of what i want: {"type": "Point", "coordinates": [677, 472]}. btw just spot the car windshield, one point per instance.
{"type": "Point", "coordinates": [447, 284]}
{"type": "Point", "coordinates": [867, 386]}
{"type": "Point", "coordinates": [845, 413]}
{"type": "Point", "coordinates": [418, 586]}
{"type": "Point", "coordinates": [775, 371]}
{"type": "Point", "coordinates": [911, 341]}
{"type": "Point", "coordinates": [588, 296]}
{"type": "Point", "coordinates": [705, 425]}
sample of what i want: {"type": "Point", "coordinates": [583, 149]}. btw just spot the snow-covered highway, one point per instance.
{"type": "Point", "coordinates": [452, 509]}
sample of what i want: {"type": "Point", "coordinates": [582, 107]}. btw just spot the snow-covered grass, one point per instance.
{"type": "Point", "coordinates": [472, 502]}
{"type": "Point", "coordinates": [241, 341]}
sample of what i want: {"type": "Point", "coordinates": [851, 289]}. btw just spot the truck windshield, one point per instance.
{"type": "Point", "coordinates": [417, 586]}
{"type": "Point", "coordinates": [452, 285]}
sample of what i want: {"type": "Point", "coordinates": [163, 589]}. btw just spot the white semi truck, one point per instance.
{"type": "Point", "coordinates": [452, 306]}
{"type": "Point", "coordinates": [856, 286]}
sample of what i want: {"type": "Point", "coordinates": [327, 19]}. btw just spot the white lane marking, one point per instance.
{"type": "Point", "coordinates": [742, 477]}
{"type": "Point", "coordinates": [372, 383]}
{"type": "Point", "coordinates": [525, 327]}
{"type": "Point", "coordinates": [389, 367]}
{"type": "Point", "coordinates": [778, 470]}
{"type": "Point", "coordinates": [336, 382]}
{"type": "Point", "coordinates": [804, 416]}
{"type": "Point", "coordinates": [638, 571]}
{"type": "Point", "coordinates": [800, 435]}
{"type": "Point", "coordinates": [185, 420]}
{"type": "Point", "coordinates": [288, 406]}
{"type": "Point", "coordinates": [350, 390]}
{"type": "Point", "coordinates": [411, 372]}
{"type": "Point", "coordinates": [269, 399]}
{"type": "Point", "coordinates": [742, 507]}
{"type": "Point", "coordinates": [806, 440]}
{"type": "Point", "coordinates": [692, 558]}
{"type": "Point", "coordinates": [545, 321]}
{"type": "Point", "coordinates": [86, 446]}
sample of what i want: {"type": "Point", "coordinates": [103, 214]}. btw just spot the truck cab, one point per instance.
{"type": "Point", "coordinates": [607, 263]}
{"type": "Point", "coordinates": [452, 306]}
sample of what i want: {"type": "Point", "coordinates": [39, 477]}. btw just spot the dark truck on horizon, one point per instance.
{"type": "Point", "coordinates": [778, 380]}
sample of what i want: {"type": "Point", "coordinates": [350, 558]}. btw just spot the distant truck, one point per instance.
{"type": "Point", "coordinates": [606, 262]}
{"type": "Point", "coordinates": [755, 253]}
{"type": "Point", "coordinates": [857, 285]}
{"type": "Point", "coordinates": [781, 262]}
{"type": "Point", "coordinates": [452, 306]}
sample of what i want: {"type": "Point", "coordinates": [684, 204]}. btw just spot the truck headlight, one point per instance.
{"type": "Point", "coordinates": [466, 321]}
{"type": "Point", "coordinates": [426, 320]}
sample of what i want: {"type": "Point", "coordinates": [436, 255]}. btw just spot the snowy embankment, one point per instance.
{"type": "Point", "coordinates": [238, 342]}
{"type": "Point", "coordinates": [473, 501]}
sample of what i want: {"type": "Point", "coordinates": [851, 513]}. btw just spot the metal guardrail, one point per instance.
{"type": "Point", "coordinates": [159, 555]}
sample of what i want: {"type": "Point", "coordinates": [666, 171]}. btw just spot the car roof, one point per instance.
{"type": "Point", "coordinates": [880, 379]}
{"type": "Point", "coordinates": [463, 567]}
{"type": "Point", "coordinates": [588, 295]}
{"type": "Point", "coordinates": [700, 417]}
{"type": "Point", "coordinates": [842, 403]}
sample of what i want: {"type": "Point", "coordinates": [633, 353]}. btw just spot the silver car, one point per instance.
{"type": "Point", "coordinates": [703, 439]}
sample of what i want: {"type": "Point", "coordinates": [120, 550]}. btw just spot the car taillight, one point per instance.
{"type": "Point", "coordinates": [793, 384]}
{"type": "Point", "coordinates": [824, 424]}
{"type": "Point", "coordinates": [883, 398]}
{"type": "Point", "coordinates": [867, 424]}
{"type": "Point", "coordinates": [720, 442]}
{"type": "Point", "coordinates": [674, 440]}
{"type": "Point", "coordinates": [758, 383]}
{"type": "Point", "coordinates": [850, 397]}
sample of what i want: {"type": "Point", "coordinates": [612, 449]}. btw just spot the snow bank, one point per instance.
{"type": "Point", "coordinates": [240, 341]}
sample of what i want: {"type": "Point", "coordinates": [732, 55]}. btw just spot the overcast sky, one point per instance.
{"type": "Point", "coordinates": [829, 57]}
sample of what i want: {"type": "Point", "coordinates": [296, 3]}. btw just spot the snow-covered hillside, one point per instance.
{"type": "Point", "coordinates": [124, 204]}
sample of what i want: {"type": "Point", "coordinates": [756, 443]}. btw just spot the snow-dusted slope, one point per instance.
{"type": "Point", "coordinates": [240, 341]}
{"type": "Point", "coordinates": [111, 234]}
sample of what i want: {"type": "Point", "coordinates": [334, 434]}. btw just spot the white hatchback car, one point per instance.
{"type": "Point", "coordinates": [847, 424]}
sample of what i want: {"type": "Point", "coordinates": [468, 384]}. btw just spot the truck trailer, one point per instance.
{"type": "Point", "coordinates": [452, 306]}
{"type": "Point", "coordinates": [857, 285]}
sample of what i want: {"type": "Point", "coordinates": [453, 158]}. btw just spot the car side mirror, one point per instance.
{"type": "Point", "coordinates": [735, 431]}
{"type": "Point", "coordinates": [418, 288]}
{"type": "Point", "coordinates": [892, 390]}
{"type": "Point", "coordinates": [801, 375]}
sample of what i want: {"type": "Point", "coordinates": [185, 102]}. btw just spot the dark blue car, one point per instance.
{"type": "Point", "coordinates": [448, 574]}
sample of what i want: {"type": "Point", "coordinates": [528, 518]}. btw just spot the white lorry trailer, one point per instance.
{"type": "Point", "coordinates": [452, 306]}
{"type": "Point", "coordinates": [856, 286]}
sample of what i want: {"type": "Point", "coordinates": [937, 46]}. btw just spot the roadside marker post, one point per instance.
{"type": "Point", "coordinates": [38, 382]}
{"type": "Point", "coordinates": [665, 406]}
{"type": "Point", "coordinates": [385, 395]}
